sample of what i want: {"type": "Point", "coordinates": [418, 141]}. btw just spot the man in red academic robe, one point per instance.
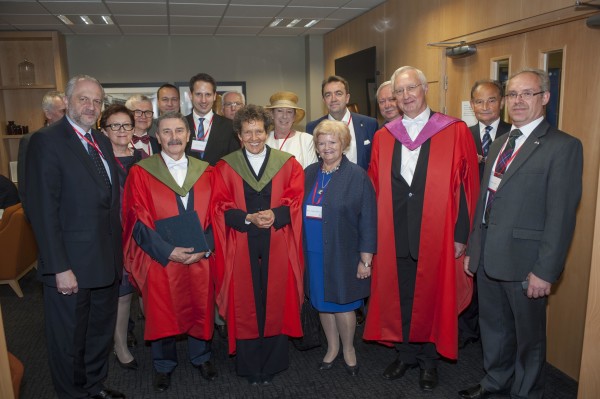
{"type": "Point", "coordinates": [424, 169]}
{"type": "Point", "coordinates": [176, 282]}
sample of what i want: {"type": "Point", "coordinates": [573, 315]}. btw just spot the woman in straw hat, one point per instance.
{"type": "Point", "coordinates": [286, 113]}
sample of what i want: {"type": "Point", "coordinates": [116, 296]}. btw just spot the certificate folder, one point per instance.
{"type": "Point", "coordinates": [183, 230]}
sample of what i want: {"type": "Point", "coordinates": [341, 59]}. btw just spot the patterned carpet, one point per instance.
{"type": "Point", "coordinates": [23, 320]}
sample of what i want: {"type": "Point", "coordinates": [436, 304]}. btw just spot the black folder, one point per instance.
{"type": "Point", "coordinates": [183, 230]}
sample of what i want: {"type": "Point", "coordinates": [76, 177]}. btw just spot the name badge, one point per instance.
{"type": "Point", "coordinates": [198, 145]}
{"type": "Point", "coordinates": [494, 182]}
{"type": "Point", "coordinates": [314, 212]}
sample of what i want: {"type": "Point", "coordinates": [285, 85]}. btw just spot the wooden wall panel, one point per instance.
{"type": "Point", "coordinates": [519, 29]}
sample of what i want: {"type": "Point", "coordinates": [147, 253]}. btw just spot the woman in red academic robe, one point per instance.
{"type": "Point", "coordinates": [257, 221]}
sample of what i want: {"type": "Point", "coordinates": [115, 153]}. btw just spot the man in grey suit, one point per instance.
{"type": "Point", "coordinates": [523, 227]}
{"type": "Point", "coordinates": [487, 101]}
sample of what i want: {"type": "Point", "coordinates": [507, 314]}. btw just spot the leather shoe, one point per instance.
{"type": "Point", "coordinates": [107, 394]}
{"type": "Point", "coordinates": [207, 371]}
{"type": "Point", "coordinates": [463, 342]}
{"type": "Point", "coordinates": [162, 381]}
{"type": "Point", "coordinates": [428, 379]}
{"type": "Point", "coordinates": [351, 370]}
{"type": "Point", "coordinates": [132, 365]}
{"type": "Point", "coordinates": [396, 370]}
{"type": "Point", "coordinates": [253, 380]}
{"type": "Point", "coordinates": [325, 366]}
{"type": "Point", "coordinates": [360, 316]}
{"type": "Point", "coordinates": [267, 379]}
{"type": "Point", "coordinates": [474, 392]}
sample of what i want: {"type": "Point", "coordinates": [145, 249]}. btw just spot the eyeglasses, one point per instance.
{"type": "Point", "coordinates": [117, 126]}
{"type": "Point", "coordinates": [489, 101]}
{"type": "Point", "coordinates": [526, 95]}
{"type": "Point", "coordinates": [232, 104]}
{"type": "Point", "coordinates": [147, 114]}
{"type": "Point", "coordinates": [408, 89]}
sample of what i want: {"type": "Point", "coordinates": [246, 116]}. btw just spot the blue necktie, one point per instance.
{"type": "Point", "coordinates": [200, 133]}
{"type": "Point", "coordinates": [486, 141]}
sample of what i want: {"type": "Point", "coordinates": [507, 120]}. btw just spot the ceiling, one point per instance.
{"type": "Point", "coordinates": [182, 17]}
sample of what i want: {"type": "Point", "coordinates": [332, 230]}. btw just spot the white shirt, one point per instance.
{"type": "Point", "coordinates": [207, 123]}
{"type": "Point", "coordinates": [493, 132]}
{"type": "Point", "coordinates": [410, 158]}
{"type": "Point", "coordinates": [256, 160]}
{"type": "Point", "coordinates": [178, 170]}
{"type": "Point", "coordinates": [351, 154]}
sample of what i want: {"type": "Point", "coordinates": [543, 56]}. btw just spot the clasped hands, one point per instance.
{"type": "Point", "coordinates": [185, 255]}
{"type": "Point", "coordinates": [262, 219]}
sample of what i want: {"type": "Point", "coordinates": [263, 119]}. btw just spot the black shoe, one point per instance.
{"type": "Point", "coordinates": [221, 330]}
{"type": "Point", "coordinates": [325, 366]}
{"type": "Point", "coordinates": [254, 380]}
{"type": "Point", "coordinates": [207, 371]}
{"type": "Point", "coordinates": [351, 370]}
{"type": "Point", "coordinates": [474, 392]}
{"type": "Point", "coordinates": [162, 381]}
{"type": "Point", "coordinates": [131, 339]}
{"type": "Point", "coordinates": [360, 316]}
{"type": "Point", "coordinates": [132, 365]}
{"type": "Point", "coordinates": [267, 379]}
{"type": "Point", "coordinates": [463, 342]}
{"type": "Point", "coordinates": [396, 370]}
{"type": "Point", "coordinates": [107, 394]}
{"type": "Point", "coordinates": [428, 379]}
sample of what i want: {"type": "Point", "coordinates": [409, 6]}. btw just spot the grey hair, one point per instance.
{"type": "Point", "coordinates": [541, 74]}
{"type": "Point", "coordinates": [174, 115]}
{"type": "Point", "coordinates": [136, 98]}
{"type": "Point", "coordinates": [233, 92]}
{"type": "Point", "coordinates": [381, 86]}
{"type": "Point", "coordinates": [407, 68]}
{"type": "Point", "coordinates": [47, 101]}
{"type": "Point", "coordinates": [490, 82]}
{"type": "Point", "coordinates": [76, 79]}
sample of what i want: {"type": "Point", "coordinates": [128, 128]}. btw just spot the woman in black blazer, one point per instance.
{"type": "Point", "coordinates": [340, 237]}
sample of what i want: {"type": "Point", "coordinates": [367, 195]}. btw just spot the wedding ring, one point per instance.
{"type": "Point", "coordinates": [64, 292]}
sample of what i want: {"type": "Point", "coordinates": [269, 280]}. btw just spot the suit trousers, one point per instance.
{"type": "Point", "coordinates": [164, 353]}
{"type": "Point", "coordinates": [422, 353]}
{"type": "Point", "coordinates": [513, 337]}
{"type": "Point", "coordinates": [79, 335]}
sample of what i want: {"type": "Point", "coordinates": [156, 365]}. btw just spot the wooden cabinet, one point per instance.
{"type": "Point", "coordinates": [22, 104]}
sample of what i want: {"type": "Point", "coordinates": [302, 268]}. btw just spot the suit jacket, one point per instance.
{"type": "Point", "coordinates": [503, 128]}
{"type": "Point", "coordinates": [74, 215]}
{"type": "Point", "coordinates": [532, 219]}
{"type": "Point", "coordinates": [364, 130]}
{"type": "Point", "coordinates": [221, 140]}
{"type": "Point", "coordinates": [21, 161]}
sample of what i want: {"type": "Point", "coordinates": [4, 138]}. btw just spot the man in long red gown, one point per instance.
{"type": "Point", "coordinates": [176, 283]}
{"type": "Point", "coordinates": [425, 172]}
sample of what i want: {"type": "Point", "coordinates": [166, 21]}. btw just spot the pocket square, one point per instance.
{"type": "Point", "coordinates": [367, 142]}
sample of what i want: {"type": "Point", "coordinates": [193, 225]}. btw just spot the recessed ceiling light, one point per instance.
{"type": "Point", "coordinates": [107, 20]}
{"type": "Point", "coordinates": [86, 20]}
{"type": "Point", "coordinates": [311, 23]}
{"type": "Point", "coordinates": [293, 23]}
{"type": "Point", "coordinates": [65, 20]}
{"type": "Point", "coordinates": [275, 22]}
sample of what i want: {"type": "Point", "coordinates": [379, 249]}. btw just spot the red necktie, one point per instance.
{"type": "Point", "coordinates": [144, 139]}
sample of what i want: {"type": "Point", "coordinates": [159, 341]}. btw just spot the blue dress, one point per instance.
{"type": "Point", "coordinates": [313, 239]}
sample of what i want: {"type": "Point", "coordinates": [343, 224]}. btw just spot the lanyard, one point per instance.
{"type": "Point", "coordinates": [92, 143]}
{"type": "Point", "coordinates": [349, 120]}
{"type": "Point", "coordinates": [315, 193]}
{"type": "Point", "coordinates": [284, 140]}
{"type": "Point", "coordinates": [207, 130]}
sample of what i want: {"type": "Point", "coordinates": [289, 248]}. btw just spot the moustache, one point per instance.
{"type": "Point", "coordinates": [175, 142]}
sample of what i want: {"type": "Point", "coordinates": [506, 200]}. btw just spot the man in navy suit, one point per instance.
{"type": "Point", "coordinates": [73, 206]}
{"type": "Point", "coordinates": [211, 135]}
{"type": "Point", "coordinates": [523, 227]}
{"type": "Point", "coordinates": [336, 95]}
{"type": "Point", "coordinates": [487, 101]}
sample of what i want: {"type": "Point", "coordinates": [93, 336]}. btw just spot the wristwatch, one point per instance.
{"type": "Point", "coordinates": [366, 264]}
{"type": "Point", "coordinates": [208, 253]}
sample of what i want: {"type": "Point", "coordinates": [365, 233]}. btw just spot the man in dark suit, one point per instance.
{"type": "Point", "coordinates": [167, 100]}
{"type": "Point", "coordinates": [53, 105]}
{"type": "Point", "coordinates": [388, 107]}
{"type": "Point", "coordinates": [336, 95]}
{"type": "Point", "coordinates": [211, 135]}
{"type": "Point", "coordinates": [73, 206]}
{"type": "Point", "coordinates": [487, 101]}
{"type": "Point", "coordinates": [523, 227]}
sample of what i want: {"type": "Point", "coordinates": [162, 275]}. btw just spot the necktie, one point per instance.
{"type": "Point", "coordinates": [486, 141]}
{"type": "Point", "coordinates": [200, 133]}
{"type": "Point", "coordinates": [501, 166]}
{"type": "Point", "coordinates": [97, 161]}
{"type": "Point", "coordinates": [144, 139]}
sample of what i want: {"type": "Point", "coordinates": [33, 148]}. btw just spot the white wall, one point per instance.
{"type": "Point", "coordinates": [267, 64]}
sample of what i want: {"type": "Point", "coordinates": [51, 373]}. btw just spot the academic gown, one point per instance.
{"type": "Point", "coordinates": [235, 295]}
{"type": "Point", "coordinates": [178, 298]}
{"type": "Point", "coordinates": [442, 289]}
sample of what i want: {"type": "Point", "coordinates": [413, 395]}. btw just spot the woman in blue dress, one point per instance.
{"type": "Point", "coordinates": [340, 237]}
